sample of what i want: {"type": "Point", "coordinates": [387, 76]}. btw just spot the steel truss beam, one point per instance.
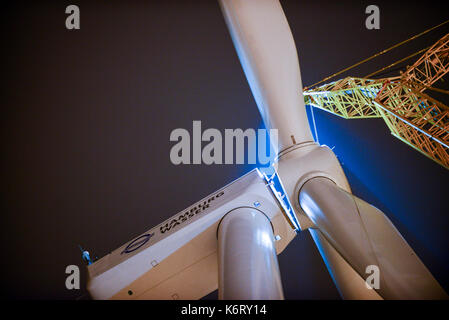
{"type": "Point", "coordinates": [411, 115]}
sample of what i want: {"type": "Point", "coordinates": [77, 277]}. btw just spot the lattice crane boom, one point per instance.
{"type": "Point", "coordinates": [411, 115]}
{"type": "Point", "coordinates": [431, 66]}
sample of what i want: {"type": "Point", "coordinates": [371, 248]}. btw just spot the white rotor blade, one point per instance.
{"type": "Point", "coordinates": [268, 55]}
{"type": "Point", "coordinates": [364, 236]}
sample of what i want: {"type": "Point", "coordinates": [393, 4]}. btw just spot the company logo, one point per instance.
{"type": "Point", "coordinates": [201, 207]}
{"type": "Point", "coordinates": [137, 243]}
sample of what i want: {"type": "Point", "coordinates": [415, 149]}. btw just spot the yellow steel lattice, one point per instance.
{"type": "Point", "coordinates": [433, 65]}
{"type": "Point", "coordinates": [411, 115]}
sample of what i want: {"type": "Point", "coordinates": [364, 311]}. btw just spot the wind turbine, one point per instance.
{"type": "Point", "coordinates": [231, 238]}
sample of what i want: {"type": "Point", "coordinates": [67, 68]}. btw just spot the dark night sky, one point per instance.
{"type": "Point", "coordinates": [87, 116]}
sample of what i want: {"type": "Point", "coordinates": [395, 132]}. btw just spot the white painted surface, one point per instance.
{"type": "Point", "coordinates": [247, 261]}
{"type": "Point", "coordinates": [267, 52]}
{"type": "Point", "coordinates": [186, 245]}
{"type": "Point", "coordinates": [364, 236]}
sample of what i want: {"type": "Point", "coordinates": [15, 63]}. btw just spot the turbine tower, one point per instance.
{"type": "Point", "coordinates": [230, 239]}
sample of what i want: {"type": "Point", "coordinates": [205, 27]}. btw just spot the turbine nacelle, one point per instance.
{"type": "Point", "coordinates": [178, 258]}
